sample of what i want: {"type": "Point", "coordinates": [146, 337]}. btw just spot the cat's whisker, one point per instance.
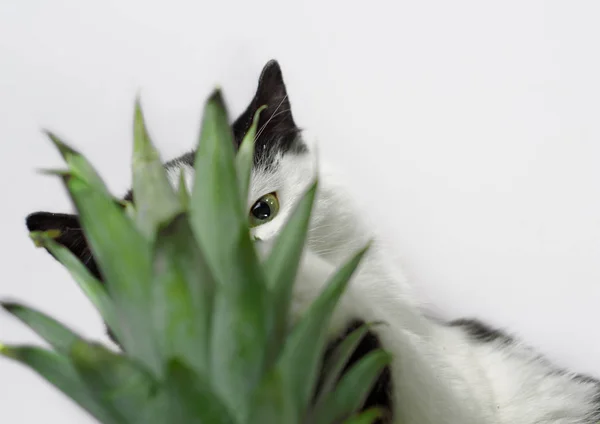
{"type": "Point", "coordinates": [260, 131]}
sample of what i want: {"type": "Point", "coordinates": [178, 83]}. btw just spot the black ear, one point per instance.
{"type": "Point", "coordinates": [277, 131]}
{"type": "Point", "coordinates": [71, 235]}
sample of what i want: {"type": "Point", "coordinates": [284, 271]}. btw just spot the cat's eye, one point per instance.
{"type": "Point", "coordinates": [264, 209]}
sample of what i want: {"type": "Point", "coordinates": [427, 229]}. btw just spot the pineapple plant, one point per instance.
{"type": "Point", "coordinates": [204, 324]}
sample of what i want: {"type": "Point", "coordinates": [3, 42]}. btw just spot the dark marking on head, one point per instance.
{"type": "Point", "coordinates": [381, 393]}
{"type": "Point", "coordinates": [481, 332]}
{"type": "Point", "coordinates": [277, 132]}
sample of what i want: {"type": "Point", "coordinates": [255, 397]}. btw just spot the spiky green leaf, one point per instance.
{"type": "Point", "coordinates": [155, 199]}
{"type": "Point", "coordinates": [183, 292]}
{"type": "Point", "coordinates": [352, 389]}
{"type": "Point", "coordinates": [124, 258]}
{"type": "Point", "coordinates": [370, 416]}
{"type": "Point", "coordinates": [282, 265]}
{"type": "Point", "coordinates": [240, 320]}
{"type": "Point", "coordinates": [57, 335]}
{"type": "Point", "coordinates": [191, 398]}
{"type": "Point", "coordinates": [183, 191]}
{"type": "Point", "coordinates": [271, 402]}
{"type": "Point", "coordinates": [304, 347]}
{"type": "Point", "coordinates": [121, 386]}
{"type": "Point", "coordinates": [216, 208]}
{"type": "Point", "coordinates": [58, 371]}
{"type": "Point", "coordinates": [245, 157]}
{"type": "Point", "coordinates": [91, 287]}
{"type": "Point", "coordinates": [338, 360]}
{"type": "Point", "coordinates": [78, 164]}
{"type": "Point", "coordinates": [240, 328]}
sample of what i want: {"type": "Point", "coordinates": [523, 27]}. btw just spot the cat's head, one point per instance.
{"type": "Point", "coordinates": [283, 169]}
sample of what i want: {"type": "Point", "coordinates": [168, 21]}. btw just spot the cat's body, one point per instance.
{"type": "Point", "coordinates": [460, 372]}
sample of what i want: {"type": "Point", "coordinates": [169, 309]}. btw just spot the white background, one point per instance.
{"type": "Point", "coordinates": [469, 130]}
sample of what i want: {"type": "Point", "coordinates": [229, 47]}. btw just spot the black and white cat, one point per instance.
{"type": "Point", "coordinates": [459, 372]}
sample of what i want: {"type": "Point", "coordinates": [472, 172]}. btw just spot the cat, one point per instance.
{"type": "Point", "coordinates": [458, 372]}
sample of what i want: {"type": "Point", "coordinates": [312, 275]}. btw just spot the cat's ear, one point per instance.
{"type": "Point", "coordinates": [276, 121]}
{"type": "Point", "coordinates": [71, 235]}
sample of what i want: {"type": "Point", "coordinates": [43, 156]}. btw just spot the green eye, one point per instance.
{"type": "Point", "coordinates": [264, 209]}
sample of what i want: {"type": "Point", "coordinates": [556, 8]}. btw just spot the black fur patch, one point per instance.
{"type": "Point", "coordinates": [277, 132]}
{"type": "Point", "coordinates": [71, 235]}
{"type": "Point", "coordinates": [481, 332]}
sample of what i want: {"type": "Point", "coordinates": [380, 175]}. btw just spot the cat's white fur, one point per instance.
{"type": "Point", "coordinates": [440, 375]}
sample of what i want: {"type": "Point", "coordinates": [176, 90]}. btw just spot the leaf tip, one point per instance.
{"type": "Point", "coordinates": [217, 97]}
{"type": "Point", "coordinates": [64, 149]}
{"type": "Point", "coordinates": [53, 172]}
{"type": "Point", "coordinates": [40, 238]}
{"type": "Point", "coordinates": [10, 307]}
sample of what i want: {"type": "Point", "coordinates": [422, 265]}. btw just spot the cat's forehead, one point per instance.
{"type": "Point", "coordinates": [264, 177]}
{"type": "Point", "coordinates": [270, 145]}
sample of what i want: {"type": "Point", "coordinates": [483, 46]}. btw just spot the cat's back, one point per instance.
{"type": "Point", "coordinates": [523, 386]}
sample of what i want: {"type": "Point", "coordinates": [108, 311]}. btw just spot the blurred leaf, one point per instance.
{"type": "Point", "coordinates": [191, 399]}
{"type": "Point", "coordinates": [58, 371]}
{"type": "Point", "coordinates": [124, 258]}
{"type": "Point", "coordinates": [352, 390]}
{"type": "Point", "coordinates": [239, 332]}
{"type": "Point", "coordinates": [183, 191]}
{"type": "Point", "coordinates": [304, 347]}
{"type": "Point", "coordinates": [336, 363]}
{"type": "Point", "coordinates": [78, 165]}
{"type": "Point", "coordinates": [368, 417]}
{"type": "Point", "coordinates": [282, 265]}
{"type": "Point", "coordinates": [240, 319]}
{"type": "Point", "coordinates": [217, 214]}
{"type": "Point", "coordinates": [92, 288]}
{"type": "Point", "coordinates": [183, 290]}
{"type": "Point", "coordinates": [155, 199]}
{"type": "Point", "coordinates": [245, 158]}
{"type": "Point", "coordinates": [130, 210]}
{"type": "Point", "coordinates": [122, 387]}
{"type": "Point", "coordinates": [56, 334]}
{"type": "Point", "coordinates": [271, 402]}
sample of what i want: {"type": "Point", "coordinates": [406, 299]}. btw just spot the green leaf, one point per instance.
{"type": "Point", "coordinates": [304, 347]}
{"type": "Point", "coordinates": [56, 334]}
{"type": "Point", "coordinates": [338, 360]}
{"type": "Point", "coordinates": [240, 329]}
{"type": "Point", "coordinates": [217, 213]}
{"type": "Point", "coordinates": [245, 157]}
{"type": "Point", "coordinates": [155, 199]}
{"type": "Point", "coordinates": [282, 265]}
{"type": "Point", "coordinates": [124, 258]}
{"type": "Point", "coordinates": [183, 292]}
{"type": "Point", "coordinates": [92, 288]}
{"type": "Point", "coordinates": [58, 371]}
{"type": "Point", "coordinates": [191, 398]}
{"type": "Point", "coordinates": [183, 191]}
{"type": "Point", "coordinates": [368, 417]}
{"type": "Point", "coordinates": [78, 164]}
{"type": "Point", "coordinates": [240, 319]}
{"type": "Point", "coordinates": [121, 386]}
{"type": "Point", "coordinates": [352, 390]}
{"type": "Point", "coordinates": [271, 403]}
